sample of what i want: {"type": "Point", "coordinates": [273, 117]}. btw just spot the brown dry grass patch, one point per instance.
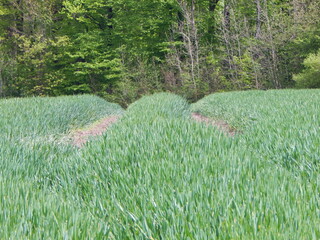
{"type": "Point", "coordinates": [220, 124]}
{"type": "Point", "coordinates": [81, 136]}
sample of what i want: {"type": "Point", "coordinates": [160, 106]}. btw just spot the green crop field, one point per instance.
{"type": "Point", "coordinates": [158, 174]}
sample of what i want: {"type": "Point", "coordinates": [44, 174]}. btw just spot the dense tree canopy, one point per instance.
{"type": "Point", "coordinates": [121, 49]}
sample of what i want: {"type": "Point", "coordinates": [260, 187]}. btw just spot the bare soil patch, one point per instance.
{"type": "Point", "coordinates": [220, 124]}
{"type": "Point", "coordinates": [80, 137]}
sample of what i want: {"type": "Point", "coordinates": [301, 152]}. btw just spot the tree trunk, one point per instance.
{"type": "Point", "coordinates": [1, 84]}
{"type": "Point", "coordinates": [211, 25]}
{"type": "Point", "coordinates": [258, 21]}
{"type": "Point", "coordinates": [110, 17]}
{"type": "Point", "coordinates": [274, 56]}
{"type": "Point", "coordinates": [213, 5]}
{"type": "Point", "coordinates": [226, 16]}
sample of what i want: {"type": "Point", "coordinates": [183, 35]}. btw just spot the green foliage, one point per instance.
{"type": "Point", "coordinates": [91, 63]}
{"type": "Point", "coordinates": [246, 67]}
{"type": "Point", "coordinates": [123, 49]}
{"type": "Point", "coordinates": [310, 76]}
{"type": "Point", "coordinates": [138, 79]}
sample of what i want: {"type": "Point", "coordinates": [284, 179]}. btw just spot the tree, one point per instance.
{"type": "Point", "coordinates": [310, 76]}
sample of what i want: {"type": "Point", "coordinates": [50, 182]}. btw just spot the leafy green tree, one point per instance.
{"type": "Point", "coordinates": [310, 76]}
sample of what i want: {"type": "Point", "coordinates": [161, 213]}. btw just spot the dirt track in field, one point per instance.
{"type": "Point", "coordinates": [222, 125]}
{"type": "Point", "coordinates": [80, 137]}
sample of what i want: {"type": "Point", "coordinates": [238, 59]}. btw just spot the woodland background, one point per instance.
{"type": "Point", "coordinates": [122, 49]}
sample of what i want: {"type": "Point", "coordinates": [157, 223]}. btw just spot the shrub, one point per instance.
{"type": "Point", "coordinates": [310, 76]}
